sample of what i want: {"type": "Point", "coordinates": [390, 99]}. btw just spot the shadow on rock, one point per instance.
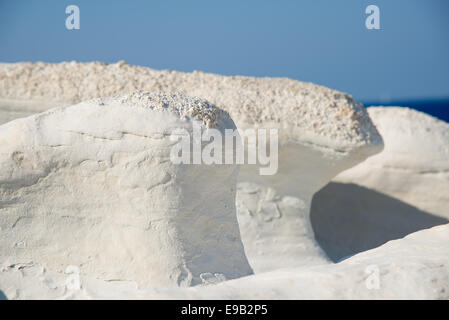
{"type": "Point", "coordinates": [3, 296]}
{"type": "Point", "coordinates": [348, 219]}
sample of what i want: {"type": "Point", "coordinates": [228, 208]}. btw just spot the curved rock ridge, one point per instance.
{"type": "Point", "coordinates": [415, 267]}
{"type": "Point", "coordinates": [183, 106]}
{"type": "Point", "coordinates": [321, 133]}
{"type": "Point", "coordinates": [313, 113]}
{"type": "Point", "coordinates": [414, 166]}
{"type": "Point", "coordinates": [92, 186]}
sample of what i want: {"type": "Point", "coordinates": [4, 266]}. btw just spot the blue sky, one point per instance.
{"type": "Point", "coordinates": [324, 42]}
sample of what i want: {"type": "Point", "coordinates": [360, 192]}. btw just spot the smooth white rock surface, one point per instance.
{"type": "Point", "coordinates": [416, 267]}
{"type": "Point", "coordinates": [92, 186]}
{"type": "Point", "coordinates": [414, 166]}
{"type": "Point", "coordinates": [321, 133]}
{"type": "Point", "coordinates": [401, 190]}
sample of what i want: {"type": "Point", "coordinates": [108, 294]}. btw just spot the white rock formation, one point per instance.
{"type": "Point", "coordinates": [11, 109]}
{"type": "Point", "coordinates": [92, 186]}
{"type": "Point", "coordinates": [414, 166]}
{"type": "Point", "coordinates": [101, 174]}
{"type": "Point", "coordinates": [403, 189]}
{"type": "Point", "coordinates": [321, 133]}
{"type": "Point", "coordinates": [348, 218]}
{"type": "Point", "coordinates": [416, 267]}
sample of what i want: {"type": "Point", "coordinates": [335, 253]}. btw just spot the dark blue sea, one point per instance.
{"type": "Point", "coordinates": [436, 108]}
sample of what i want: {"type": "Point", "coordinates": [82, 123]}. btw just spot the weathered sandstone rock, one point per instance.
{"type": "Point", "coordinates": [416, 267]}
{"type": "Point", "coordinates": [401, 190]}
{"type": "Point", "coordinates": [92, 186]}
{"type": "Point", "coordinates": [321, 133]}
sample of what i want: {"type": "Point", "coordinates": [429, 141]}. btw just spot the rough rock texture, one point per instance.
{"type": "Point", "coordinates": [322, 116]}
{"type": "Point", "coordinates": [401, 190]}
{"type": "Point", "coordinates": [92, 186]}
{"type": "Point", "coordinates": [416, 267]}
{"type": "Point", "coordinates": [321, 133]}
